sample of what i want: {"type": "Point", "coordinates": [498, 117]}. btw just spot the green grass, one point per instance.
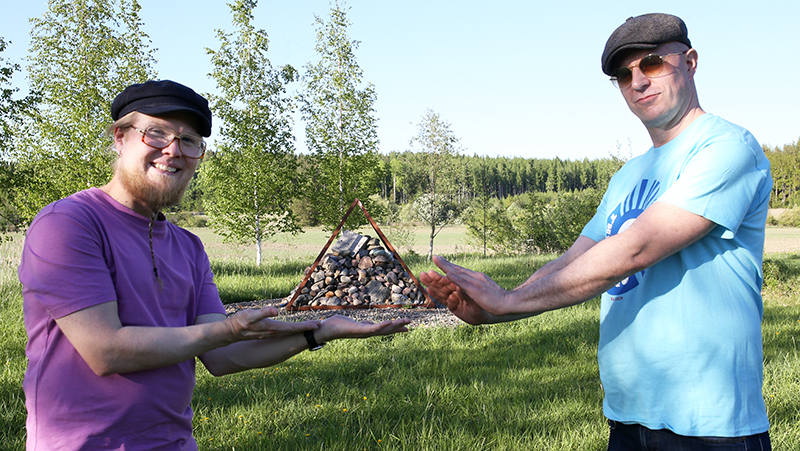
{"type": "Point", "coordinates": [532, 384]}
{"type": "Point", "coordinates": [12, 349]}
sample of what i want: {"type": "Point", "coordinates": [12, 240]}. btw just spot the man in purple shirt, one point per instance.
{"type": "Point", "coordinates": [118, 301]}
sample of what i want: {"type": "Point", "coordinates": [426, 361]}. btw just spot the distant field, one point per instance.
{"type": "Point", "coordinates": [452, 240]}
{"type": "Point", "coordinates": [782, 240]}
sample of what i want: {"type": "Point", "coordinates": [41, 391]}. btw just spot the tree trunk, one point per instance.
{"type": "Point", "coordinates": [430, 250]}
{"type": "Point", "coordinates": [258, 250]}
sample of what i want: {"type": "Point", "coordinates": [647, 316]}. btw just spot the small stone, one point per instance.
{"type": "Point", "coordinates": [377, 292]}
{"type": "Point", "coordinates": [399, 299]}
{"type": "Point", "coordinates": [334, 301]}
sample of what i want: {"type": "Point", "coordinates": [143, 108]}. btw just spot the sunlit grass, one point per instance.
{"type": "Point", "coordinates": [532, 384]}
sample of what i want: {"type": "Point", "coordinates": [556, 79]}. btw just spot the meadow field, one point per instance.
{"type": "Point", "coordinates": [531, 384]}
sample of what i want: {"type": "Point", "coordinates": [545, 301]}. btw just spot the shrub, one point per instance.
{"type": "Point", "coordinates": [790, 218]}
{"type": "Point", "coordinates": [555, 225]}
{"type": "Point", "coordinates": [187, 219]}
{"type": "Point", "coordinates": [540, 223]}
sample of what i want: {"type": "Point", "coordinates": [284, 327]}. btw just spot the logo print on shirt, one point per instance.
{"type": "Point", "coordinates": [623, 217]}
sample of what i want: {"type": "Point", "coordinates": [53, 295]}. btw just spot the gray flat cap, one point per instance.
{"type": "Point", "coordinates": [647, 31]}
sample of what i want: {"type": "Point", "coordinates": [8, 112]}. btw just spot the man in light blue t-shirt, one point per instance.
{"type": "Point", "coordinates": [675, 249]}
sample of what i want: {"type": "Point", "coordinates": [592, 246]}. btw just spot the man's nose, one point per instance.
{"type": "Point", "coordinates": [173, 148]}
{"type": "Point", "coordinates": [638, 79]}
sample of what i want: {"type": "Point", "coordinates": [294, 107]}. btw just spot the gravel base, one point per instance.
{"type": "Point", "coordinates": [420, 316]}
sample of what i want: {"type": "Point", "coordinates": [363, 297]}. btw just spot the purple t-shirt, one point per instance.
{"type": "Point", "coordinates": [85, 250]}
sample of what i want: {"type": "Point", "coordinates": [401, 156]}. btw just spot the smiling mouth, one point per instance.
{"type": "Point", "coordinates": [165, 168]}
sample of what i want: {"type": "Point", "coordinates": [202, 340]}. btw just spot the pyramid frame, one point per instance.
{"type": "Point", "coordinates": [290, 305]}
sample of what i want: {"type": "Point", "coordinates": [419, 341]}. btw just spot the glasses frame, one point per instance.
{"type": "Point", "coordinates": [143, 132]}
{"type": "Point", "coordinates": [615, 76]}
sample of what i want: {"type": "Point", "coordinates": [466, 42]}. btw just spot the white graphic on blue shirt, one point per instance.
{"type": "Point", "coordinates": [623, 217]}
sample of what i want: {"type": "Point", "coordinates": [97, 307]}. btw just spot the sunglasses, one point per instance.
{"type": "Point", "coordinates": [651, 66]}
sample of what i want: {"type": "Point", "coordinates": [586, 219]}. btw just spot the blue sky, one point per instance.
{"type": "Point", "coordinates": [513, 78]}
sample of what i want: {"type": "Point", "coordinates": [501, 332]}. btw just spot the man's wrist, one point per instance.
{"type": "Point", "coordinates": [313, 345]}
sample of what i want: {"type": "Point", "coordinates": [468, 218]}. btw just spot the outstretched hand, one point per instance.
{"type": "Point", "coordinates": [339, 326]}
{"type": "Point", "coordinates": [471, 296]}
{"type": "Point", "coordinates": [255, 324]}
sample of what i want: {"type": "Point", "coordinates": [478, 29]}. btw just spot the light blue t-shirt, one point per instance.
{"type": "Point", "coordinates": [680, 342]}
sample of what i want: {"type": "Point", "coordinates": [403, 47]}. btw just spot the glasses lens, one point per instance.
{"type": "Point", "coordinates": [191, 144]}
{"type": "Point", "coordinates": [651, 65]}
{"type": "Point", "coordinates": [621, 77]}
{"type": "Point", "coordinates": [157, 137]}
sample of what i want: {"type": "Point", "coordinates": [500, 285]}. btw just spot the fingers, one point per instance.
{"type": "Point", "coordinates": [443, 264]}
{"type": "Point", "coordinates": [339, 326]}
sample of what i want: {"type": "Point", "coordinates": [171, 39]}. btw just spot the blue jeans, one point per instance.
{"type": "Point", "coordinates": [634, 437]}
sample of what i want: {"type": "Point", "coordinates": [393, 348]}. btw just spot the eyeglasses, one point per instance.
{"type": "Point", "coordinates": [651, 66]}
{"type": "Point", "coordinates": [192, 146]}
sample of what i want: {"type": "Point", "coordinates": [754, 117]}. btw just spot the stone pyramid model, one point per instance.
{"type": "Point", "coordinates": [358, 272]}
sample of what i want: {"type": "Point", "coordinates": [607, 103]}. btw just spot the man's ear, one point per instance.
{"type": "Point", "coordinates": [691, 61]}
{"type": "Point", "coordinates": [119, 137]}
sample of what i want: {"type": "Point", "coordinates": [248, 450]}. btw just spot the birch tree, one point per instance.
{"type": "Point", "coordinates": [436, 143]}
{"type": "Point", "coordinates": [250, 179]}
{"type": "Point", "coordinates": [341, 129]}
{"type": "Point", "coordinates": [82, 54]}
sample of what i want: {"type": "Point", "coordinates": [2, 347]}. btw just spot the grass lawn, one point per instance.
{"type": "Point", "coordinates": [532, 384]}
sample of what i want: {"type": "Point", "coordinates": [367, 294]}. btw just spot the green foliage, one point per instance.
{"type": "Point", "coordinates": [790, 218]}
{"type": "Point", "coordinates": [555, 225]}
{"type": "Point", "coordinates": [341, 129]}
{"type": "Point", "coordinates": [251, 178]}
{"type": "Point", "coordinates": [437, 144]}
{"type": "Point", "coordinates": [404, 176]}
{"type": "Point", "coordinates": [11, 109]}
{"type": "Point", "coordinates": [11, 112]}
{"type": "Point", "coordinates": [489, 226]}
{"type": "Point", "coordinates": [82, 55]}
{"type": "Point", "coordinates": [534, 223]}
{"type": "Point", "coordinates": [187, 219]}
{"type": "Point", "coordinates": [784, 162]}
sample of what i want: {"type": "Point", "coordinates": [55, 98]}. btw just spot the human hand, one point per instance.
{"type": "Point", "coordinates": [255, 324]}
{"type": "Point", "coordinates": [339, 326]}
{"type": "Point", "coordinates": [471, 296]}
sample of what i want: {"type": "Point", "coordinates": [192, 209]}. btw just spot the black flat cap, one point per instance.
{"type": "Point", "coordinates": [647, 31]}
{"type": "Point", "coordinates": [161, 97]}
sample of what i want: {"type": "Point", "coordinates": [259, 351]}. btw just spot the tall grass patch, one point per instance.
{"type": "Point", "coordinates": [12, 347]}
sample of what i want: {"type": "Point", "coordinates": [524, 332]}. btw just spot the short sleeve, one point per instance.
{"type": "Point", "coordinates": [62, 265]}
{"type": "Point", "coordinates": [719, 183]}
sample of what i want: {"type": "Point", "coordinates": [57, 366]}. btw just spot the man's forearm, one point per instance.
{"type": "Point", "coordinates": [247, 355]}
